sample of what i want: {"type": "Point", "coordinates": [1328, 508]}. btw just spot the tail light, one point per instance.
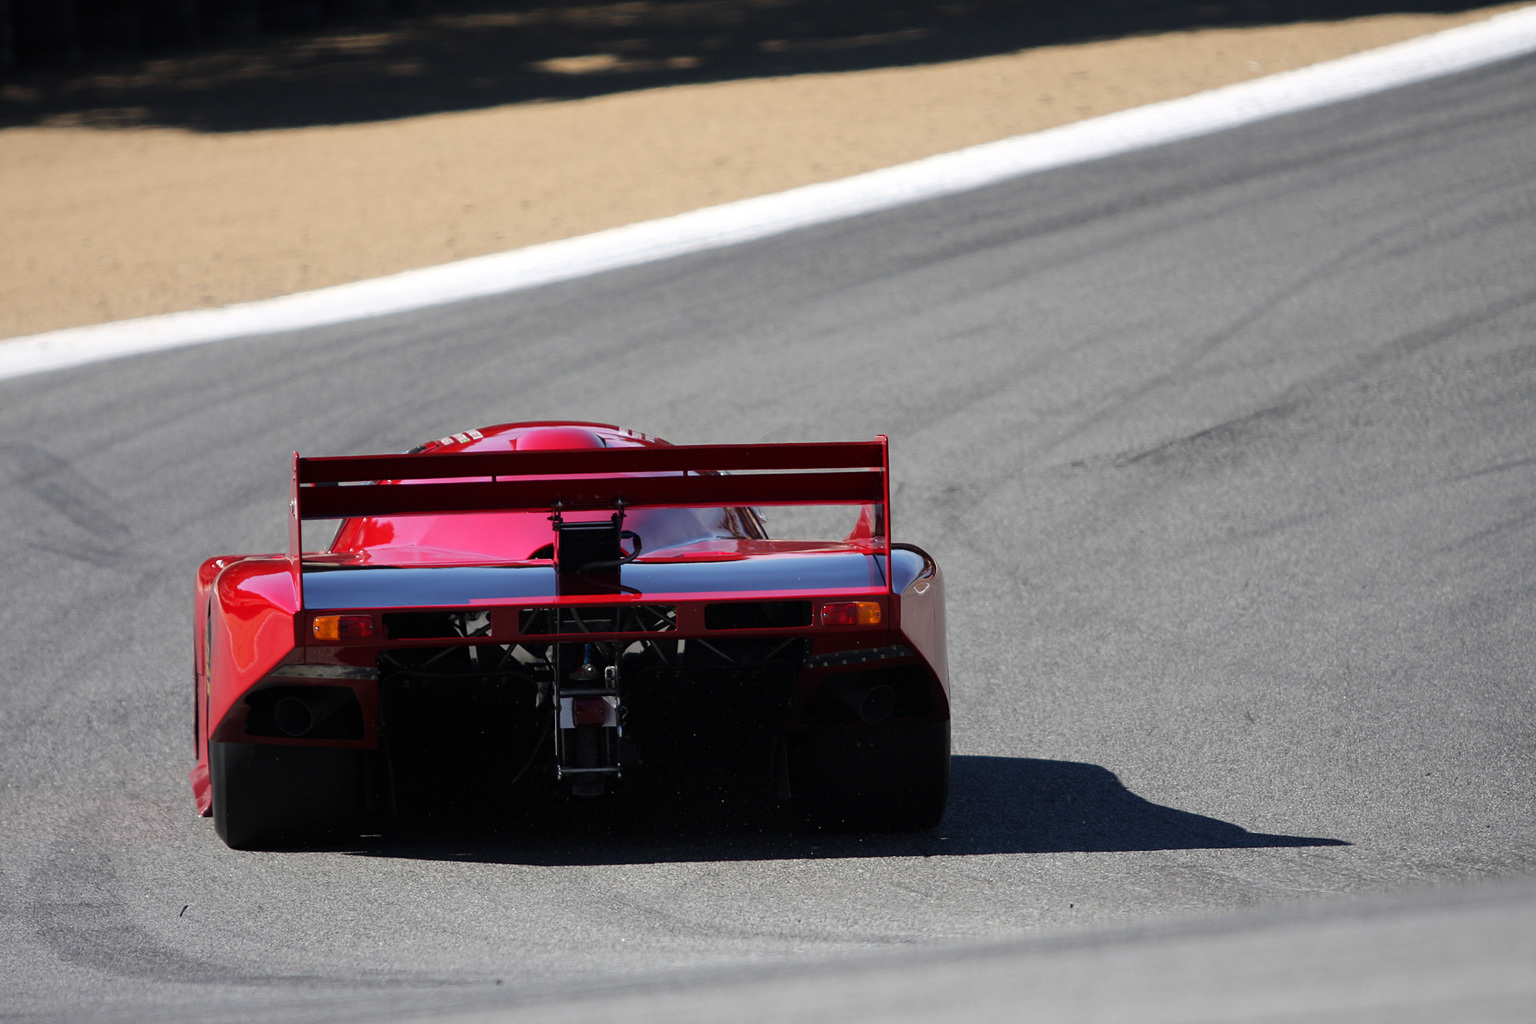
{"type": "Point", "coordinates": [343, 627]}
{"type": "Point", "coordinates": [851, 613]}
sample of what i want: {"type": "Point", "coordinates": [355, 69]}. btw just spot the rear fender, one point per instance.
{"type": "Point", "coordinates": [251, 623]}
{"type": "Point", "coordinates": [919, 585]}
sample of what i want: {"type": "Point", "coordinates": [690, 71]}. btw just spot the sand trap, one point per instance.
{"type": "Point", "coordinates": [102, 224]}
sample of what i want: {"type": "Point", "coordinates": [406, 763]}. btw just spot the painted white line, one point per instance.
{"type": "Point", "coordinates": [1459, 49]}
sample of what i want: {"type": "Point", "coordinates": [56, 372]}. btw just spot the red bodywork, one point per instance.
{"type": "Point", "coordinates": [458, 545]}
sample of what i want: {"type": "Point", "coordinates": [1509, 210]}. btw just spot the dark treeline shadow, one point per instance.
{"type": "Point", "coordinates": [997, 805]}
{"type": "Point", "coordinates": [355, 60]}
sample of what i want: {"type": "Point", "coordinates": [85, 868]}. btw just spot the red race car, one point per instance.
{"type": "Point", "coordinates": [571, 610]}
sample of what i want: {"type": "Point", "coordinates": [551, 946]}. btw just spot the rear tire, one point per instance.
{"type": "Point", "coordinates": [887, 778]}
{"type": "Point", "coordinates": [266, 795]}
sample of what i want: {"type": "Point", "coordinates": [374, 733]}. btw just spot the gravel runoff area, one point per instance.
{"type": "Point", "coordinates": [104, 220]}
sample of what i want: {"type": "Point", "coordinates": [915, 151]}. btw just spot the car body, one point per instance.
{"type": "Point", "coordinates": [576, 610]}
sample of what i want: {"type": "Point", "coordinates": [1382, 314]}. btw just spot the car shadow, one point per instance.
{"type": "Point", "coordinates": [473, 54]}
{"type": "Point", "coordinates": [997, 805]}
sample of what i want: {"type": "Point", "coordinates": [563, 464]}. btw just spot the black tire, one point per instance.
{"type": "Point", "coordinates": [267, 796]}
{"type": "Point", "coordinates": [885, 778]}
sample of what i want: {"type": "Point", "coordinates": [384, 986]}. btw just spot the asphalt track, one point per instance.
{"type": "Point", "coordinates": [1227, 449]}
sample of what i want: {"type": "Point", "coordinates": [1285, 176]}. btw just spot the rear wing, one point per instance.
{"type": "Point", "coordinates": [593, 479]}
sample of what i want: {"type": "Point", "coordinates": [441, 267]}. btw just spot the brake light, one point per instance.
{"type": "Point", "coordinates": [851, 613]}
{"type": "Point", "coordinates": [343, 627]}
{"type": "Point", "coordinates": [589, 711]}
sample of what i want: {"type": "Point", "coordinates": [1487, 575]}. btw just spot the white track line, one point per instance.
{"type": "Point", "coordinates": [1458, 49]}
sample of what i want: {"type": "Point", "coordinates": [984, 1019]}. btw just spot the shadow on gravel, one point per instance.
{"type": "Point", "coordinates": [997, 805]}
{"type": "Point", "coordinates": [471, 54]}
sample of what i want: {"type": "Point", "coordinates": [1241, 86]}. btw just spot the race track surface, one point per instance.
{"type": "Point", "coordinates": [1228, 450]}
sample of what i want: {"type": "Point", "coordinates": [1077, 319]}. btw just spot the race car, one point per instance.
{"type": "Point", "coordinates": [563, 612]}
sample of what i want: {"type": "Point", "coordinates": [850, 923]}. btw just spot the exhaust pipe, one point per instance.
{"type": "Point", "coordinates": [298, 714]}
{"type": "Point", "coordinates": [293, 717]}
{"type": "Point", "coordinates": [873, 703]}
